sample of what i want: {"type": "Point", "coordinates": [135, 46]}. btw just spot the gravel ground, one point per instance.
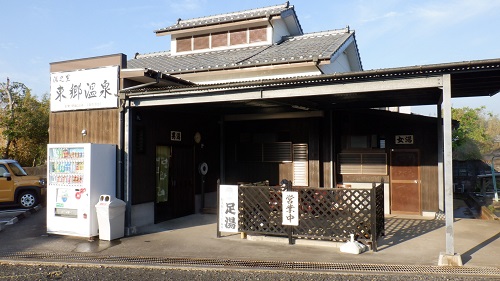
{"type": "Point", "coordinates": [18, 271]}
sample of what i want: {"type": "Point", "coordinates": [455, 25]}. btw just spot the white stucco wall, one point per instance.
{"type": "Point", "coordinates": [341, 64]}
{"type": "Point", "coordinates": [280, 29]}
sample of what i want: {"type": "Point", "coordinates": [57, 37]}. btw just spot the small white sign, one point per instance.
{"type": "Point", "coordinates": [404, 139]}
{"type": "Point", "coordinates": [84, 89]}
{"type": "Point", "coordinates": [175, 136]}
{"type": "Point", "coordinates": [228, 208]}
{"type": "Point", "coordinates": [290, 208]}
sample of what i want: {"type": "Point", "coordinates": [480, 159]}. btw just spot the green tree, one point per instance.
{"type": "Point", "coordinates": [493, 131]}
{"type": "Point", "coordinates": [24, 123]}
{"type": "Point", "coordinates": [470, 138]}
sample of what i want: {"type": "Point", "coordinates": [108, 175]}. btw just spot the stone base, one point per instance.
{"type": "Point", "coordinates": [450, 260]}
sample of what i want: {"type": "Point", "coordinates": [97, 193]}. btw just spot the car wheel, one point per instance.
{"type": "Point", "coordinates": [28, 199]}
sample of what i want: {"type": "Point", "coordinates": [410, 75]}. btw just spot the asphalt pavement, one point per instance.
{"type": "Point", "coordinates": [30, 272]}
{"type": "Point", "coordinates": [411, 245]}
{"type": "Point", "coordinates": [10, 214]}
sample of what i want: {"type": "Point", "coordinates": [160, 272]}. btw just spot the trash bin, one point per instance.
{"type": "Point", "coordinates": [110, 217]}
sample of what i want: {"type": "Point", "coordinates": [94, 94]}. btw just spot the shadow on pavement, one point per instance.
{"type": "Point", "coordinates": [467, 256]}
{"type": "Point", "coordinates": [398, 230]}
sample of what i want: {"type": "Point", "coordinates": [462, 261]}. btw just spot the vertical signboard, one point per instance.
{"type": "Point", "coordinates": [84, 89]}
{"type": "Point", "coordinates": [228, 208]}
{"type": "Point", "coordinates": [162, 173]}
{"type": "Point", "coordinates": [290, 208]}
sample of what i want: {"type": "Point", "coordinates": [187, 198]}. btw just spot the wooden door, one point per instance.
{"type": "Point", "coordinates": [405, 181]}
{"type": "Point", "coordinates": [176, 198]}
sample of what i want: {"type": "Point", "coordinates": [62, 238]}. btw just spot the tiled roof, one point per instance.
{"type": "Point", "coordinates": [229, 17]}
{"type": "Point", "coordinates": [293, 49]}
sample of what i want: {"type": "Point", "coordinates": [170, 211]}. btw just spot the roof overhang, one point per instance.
{"type": "Point", "coordinates": [406, 86]}
{"type": "Point", "coordinates": [148, 77]}
{"type": "Point", "coordinates": [292, 22]}
{"type": "Point", "coordinates": [216, 28]}
{"type": "Point", "coordinates": [223, 19]}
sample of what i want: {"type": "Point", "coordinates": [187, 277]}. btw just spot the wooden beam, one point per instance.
{"type": "Point", "coordinates": [243, 94]}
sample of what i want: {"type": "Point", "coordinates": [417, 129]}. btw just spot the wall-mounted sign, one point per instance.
{"type": "Point", "coordinates": [290, 208]}
{"type": "Point", "coordinates": [404, 139]}
{"type": "Point", "coordinates": [84, 89]}
{"type": "Point", "coordinates": [228, 208]}
{"type": "Point", "coordinates": [175, 136]}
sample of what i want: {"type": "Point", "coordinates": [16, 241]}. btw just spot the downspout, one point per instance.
{"type": "Point", "coordinates": [123, 191]}
{"type": "Point", "coordinates": [315, 60]}
{"type": "Point", "coordinates": [127, 173]}
{"type": "Point", "coordinates": [269, 17]}
{"type": "Point", "coordinates": [121, 142]}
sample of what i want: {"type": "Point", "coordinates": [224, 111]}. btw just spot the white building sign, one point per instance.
{"type": "Point", "coordinates": [228, 208]}
{"type": "Point", "coordinates": [84, 89]}
{"type": "Point", "coordinates": [290, 208]}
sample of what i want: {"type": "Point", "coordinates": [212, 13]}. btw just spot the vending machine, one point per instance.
{"type": "Point", "coordinates": [77, 174]}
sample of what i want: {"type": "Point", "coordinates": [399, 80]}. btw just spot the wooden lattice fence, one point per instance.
{"type": "Point", "coordinates": [324, 213]}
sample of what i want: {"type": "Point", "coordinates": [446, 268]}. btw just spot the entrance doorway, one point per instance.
{"type": "Point", "coordinates": [405, 181]}
{"type": "Point", "coordinates": [175, 190]}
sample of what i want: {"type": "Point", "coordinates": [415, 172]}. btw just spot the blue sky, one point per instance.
{"type": "Point", "coordinates": [389, 33]}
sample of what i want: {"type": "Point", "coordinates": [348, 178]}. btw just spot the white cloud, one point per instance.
{"type": "Point", "coordinates": [454, 12]}
{"type": "Point", "coordinates": [37, 60]}
{"type": "Point", "coordinates": [379, 19]}
{"type": "Point", "coordinates": [7, 45]}
{"type": "Point", "coordinates": [104, 46]}
{"type": "Point", "coordinates": [180, 7]}
{"type": "Point", "coordinates": [154, 25]}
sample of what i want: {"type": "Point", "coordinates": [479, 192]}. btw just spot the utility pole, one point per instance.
{"type": "Point", "coordinates": [494, 178]}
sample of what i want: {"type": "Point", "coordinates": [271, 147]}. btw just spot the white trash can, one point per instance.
{"type": "Point", "coordinates": [110, 217]}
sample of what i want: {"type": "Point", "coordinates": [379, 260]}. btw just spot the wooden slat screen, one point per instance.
{"type": "Point", "coordinates": [264, 152]}
{"type": "Point", "coordinates": [363, 163]}
{"type": "Point", "coordinates": [277, 152]}
{"type": "Point", "coordinates": [300, 164]}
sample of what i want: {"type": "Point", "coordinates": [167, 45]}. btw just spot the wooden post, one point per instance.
{"type": "Point", "coordinates": [218, 208]}
{"type": "Point", "coordinates": [373, 219]}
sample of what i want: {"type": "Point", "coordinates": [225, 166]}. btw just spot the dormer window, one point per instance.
{"type": "Point", "coordinates": [245, 36]}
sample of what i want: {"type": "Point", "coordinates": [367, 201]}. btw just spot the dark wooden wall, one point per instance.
{"type": "Point", "coordinates": [247, 133]}
{"type": "Point", "coordinates": [152, 127]}
{"type": "Point", "coordinates": [102, 126]}
{"type": "Point", "coordinates": [390, 124]}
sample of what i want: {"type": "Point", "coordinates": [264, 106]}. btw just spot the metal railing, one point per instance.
{"type": "Point", "coordinates": [324, 213]}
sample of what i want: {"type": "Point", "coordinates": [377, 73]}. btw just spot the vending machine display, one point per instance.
{"type": "Point", "coordinates": [77, 174]}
